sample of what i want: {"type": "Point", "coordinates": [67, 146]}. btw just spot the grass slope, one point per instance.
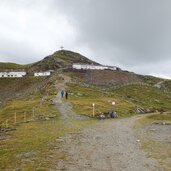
{"type": "Point", "coordinates": [145, 96]}
{"type": "Point", "coordinates": [31, 144]}
{"type": "Point", "coordinates": [167, 85]}
{"type": "Point", "coordinates": [151, 80]}
{"type": "Point", "coordinates": [9, 65]}
{"type": "Point", "coordinates": [126, 98]}
{"type": "Point", "coordinates": [83, 97]}
{"type": "Point", "coordinates": [60, 59]}
{"type": "Point", "coordinates": [70, 57]}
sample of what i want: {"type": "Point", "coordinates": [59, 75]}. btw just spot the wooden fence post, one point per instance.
{"type": "Point", "coordinates": [15, 118]}
{"type": "Point", "coordinates": [33, 112]}
{"type": "Point", "coordinates": [6, 123]}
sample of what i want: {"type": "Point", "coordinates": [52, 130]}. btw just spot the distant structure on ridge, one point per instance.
{"type": "Point", "coordinates": [12, 74]}
{"type": "Point", "coordinates": [80, 66]}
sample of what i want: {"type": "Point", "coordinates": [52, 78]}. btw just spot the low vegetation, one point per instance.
{"type": "Point", "coordinates": [31, 144]}
{"type": "Point", "coordinates": [38, 131]}
{"type": "Point", "coordinates": [151, 80]}
{"type": "Point", "coordinates": [167, 85]}
{"type": "Point", "coordinates": [127, 98]}
{"type": "Point", "coordinates": [12, 66]}
{"type": "Point", "coordinates": [31, 99]}
{"type": "Point", "coordinates": [160, 117]}
{"type": "Point", "coordinates": [145, 96]}
{"type": "Point", "coordinates": [83, 97]}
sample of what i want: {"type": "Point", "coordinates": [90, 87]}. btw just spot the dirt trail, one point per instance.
{"type": "Point", "coordinates": [65, 107]}
{"type": "Point", "coordinates": [109, 145]}
{"type": "Point", "coordinates": [159, 84]}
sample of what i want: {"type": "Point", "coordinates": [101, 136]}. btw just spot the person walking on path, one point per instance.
{"type": "Point", "coordinates": [62, 93]}
{"type": "Point", "coordinates": [66, 95]}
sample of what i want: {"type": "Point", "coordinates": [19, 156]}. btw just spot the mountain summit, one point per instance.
{"type": "Point", "coordinates": [60, 59]}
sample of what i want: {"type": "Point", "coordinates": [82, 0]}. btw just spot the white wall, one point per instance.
{"type": "Point", "coordinates": [38, 74]}
{"type": "Point", "coordinates": [12, 74]}
{"type": "Point", "coordinates": [93, 67]}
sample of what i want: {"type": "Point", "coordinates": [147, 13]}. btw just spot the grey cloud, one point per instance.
{"type": "Point", "coordinates": [30, 30]}
{"type": "Point", "coordinates": [133, 34]}
{"type": "Point", "coordinates": [134, 30]}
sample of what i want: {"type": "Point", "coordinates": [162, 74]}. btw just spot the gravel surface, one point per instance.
{"type": "Point", "coordinates": [109, 145]}
{"type": "Point", "coordinates": [157, 141]}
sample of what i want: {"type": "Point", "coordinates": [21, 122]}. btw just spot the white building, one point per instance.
{"type": "Point", "coordinates": [39, 74]}
{"type": "Point", "coordinates": [93, 67]}
{"type": "Point", "coordinates": [12, 74]}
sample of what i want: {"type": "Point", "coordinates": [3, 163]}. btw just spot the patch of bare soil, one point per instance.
{"type": "Point", "coordinates": [109, 77]}
{"type": "Point", "coordinates": [108, 145]}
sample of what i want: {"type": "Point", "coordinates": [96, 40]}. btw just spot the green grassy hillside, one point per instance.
{"type": "Point", "coordinates": [150, 79]}
{"type": "Point", "coordinates": [31, 144]}
{"type": "Point", "coordinates": [83, 97]}
{"type": "Point", "coordinates": [167, 85]}
{"type": "Point", "coordinates": [4, 65]}
{"type": "Point", "coordinates": [71, 57]}
{"type": "Point", "coordinates": [145, 96]}
{"type": "Point", "coordinates": [127, 98]}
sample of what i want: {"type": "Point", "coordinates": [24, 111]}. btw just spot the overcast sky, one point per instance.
{"type": "Point", "coordinates": [132, 34]}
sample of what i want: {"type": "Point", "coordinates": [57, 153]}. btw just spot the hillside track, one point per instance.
{"type": "Point", "coordinates": [64, 106]}
{"type": "Point", "coordinates": [109, 145]}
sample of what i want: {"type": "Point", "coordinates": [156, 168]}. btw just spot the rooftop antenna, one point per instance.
{"type": "Point", "coordinates": [62, 48]}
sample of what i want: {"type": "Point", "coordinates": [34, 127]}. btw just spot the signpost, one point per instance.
{"type": "Point", "coordinates": [93, 109]}
{"type": "Point", "coordinates": [113, 103]}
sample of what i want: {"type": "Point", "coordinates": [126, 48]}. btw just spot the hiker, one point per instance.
{"type": "Point", "coordinates": [62, 93]}
{"type": "Point", "coordinates": [66, 95]}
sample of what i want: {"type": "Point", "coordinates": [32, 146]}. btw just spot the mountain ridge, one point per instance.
{"type": "Point", "coordinates": [63, 59]}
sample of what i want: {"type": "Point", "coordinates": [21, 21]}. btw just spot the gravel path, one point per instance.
{"type": "Point", "coordinates": [109, 145]}
{"type": "Point", "coordinates": [65, 107]}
